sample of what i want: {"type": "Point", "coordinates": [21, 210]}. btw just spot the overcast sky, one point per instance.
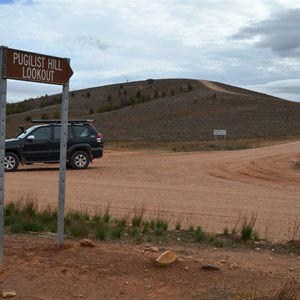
{"type": "Point", "coordinates": [253, 44]}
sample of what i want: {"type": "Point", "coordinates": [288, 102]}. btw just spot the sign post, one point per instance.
{"type": "Point", "coordinates": [3, 89]}
{"type": "Point", "coordinates": [218, 132]}
{"type": "Point", "coordinates": [28, 66]}
{"type": "Point", "coordinates": [63, 163]}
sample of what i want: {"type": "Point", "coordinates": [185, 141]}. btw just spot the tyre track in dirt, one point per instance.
{"type": "Point", "coordinates": [209, 189]}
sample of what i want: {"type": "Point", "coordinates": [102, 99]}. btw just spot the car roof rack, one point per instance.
{"type": "Point", "coordinates": [71, 121]}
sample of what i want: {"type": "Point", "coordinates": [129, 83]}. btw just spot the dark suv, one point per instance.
{"type": "Point", "coordinates": [41, 144]}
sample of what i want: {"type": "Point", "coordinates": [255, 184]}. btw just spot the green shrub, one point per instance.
{"type": "Point", "coordinates": [47, 215]}
{"type": "Point", "coordinates": [116, 233]}
{"type": "Point", "coordinates": [30, 208]}
{"type": "Point", "coordinates": [247, 227]}
{"type": "Point", "coordinates": [137, 217]}
{"type": "Point", "coordinates": [178, 225]}
{"type": "Point", "coordinates": [161, 224]}
{"type": "Point", "coordinates": [107, 216]}
{"type": "Point", "coordinates": [121, 222]}
{"type": "Point", "coordinates": [16, 228]}
{"type": "Point", "coordinates": [226, 231]}
{"type": "Point", "coordinates": [152, 224]}
{"type": "Point", "coordinates": [11, 209]}
{"type": "Point", "coordinates": [146, 227]}
{"type": "Point", "coordinates": [32, 225]}
{"type": "Point", "coordinates": [199, 234]}
{"type": "Point", "coordinates": [56, 115]}
{"type": "Point", "coordinates": [44, 116]}
{"type": "Point", "coordinates": [102, 233]}
{"type": "Point", "coordinates": [133, 231]}
{"type": "Point", "coordinates": [79, 229]}
{"type": "Point", "coordinates": [158, 231]}
{"type": "Point", "coordinates": [191, 228]}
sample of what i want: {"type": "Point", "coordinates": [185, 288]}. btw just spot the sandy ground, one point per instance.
{"type": "Point", "coordinates": [36, 270]}
{"type": "Point", "coordinates": [210, 189]}
{"type": "Point", "coordinates": [206, 188]}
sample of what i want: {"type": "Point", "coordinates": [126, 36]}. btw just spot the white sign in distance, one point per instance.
{"type": "Point", "coordinates": [220, 132]}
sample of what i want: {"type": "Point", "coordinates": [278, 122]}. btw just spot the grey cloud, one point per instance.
{"type": "Point", "coordinates": [87, 40]}
{"type": "Point", "coordinates": [280, 33]}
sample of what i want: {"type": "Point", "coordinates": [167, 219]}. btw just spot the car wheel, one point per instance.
{"type": "Point", "coordinates": [11, 162]}
{"type": "Point", "coordinates": [80, 160]}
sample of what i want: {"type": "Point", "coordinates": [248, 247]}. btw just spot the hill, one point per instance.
{"type": "Point", "coordinates": [169, 110]}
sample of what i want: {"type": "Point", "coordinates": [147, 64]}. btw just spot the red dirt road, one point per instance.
{"type": "Point", "coordinates": [209, 189]}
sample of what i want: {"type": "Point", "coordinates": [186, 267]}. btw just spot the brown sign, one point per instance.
{"type": "Point", "coordinates": [35, 67]}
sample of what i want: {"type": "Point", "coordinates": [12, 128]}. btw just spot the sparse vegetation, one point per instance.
{"type": "Point", "coordinates": [44, 116]}
{"type": "Point", "coordinates": [23, 215]}
{"type": "Point", "coordinates": [199, 234]}
{"type": "Point", "coordinates": [56, 115]}
{"type": "Point", "coordinates": [178, 225]}
{"type": "Point", "coordinates": [247, 227]}
{"type": "Point", "coordinates": [289, 291]}
{"type": "Point", "coordinates": [296, 165]}
{"type": "Point", "coordinates": [55, 100]}
{"type": "Point", "coordinates": [14, 108]}
{"type": "Point", "coordinates": [226, 231]}
{"type": "Point", "coordinates": [137, 217]}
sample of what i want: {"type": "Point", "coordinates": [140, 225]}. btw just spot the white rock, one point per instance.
{"type": "Point", "coordinates": [166, 258]}
{"type": "Point", "coordinates": [8, 293]}
{"type": "Point", "coordinates": [86, 243]}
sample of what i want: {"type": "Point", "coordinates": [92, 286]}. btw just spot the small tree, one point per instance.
{"type": "Point", "coordinates": [56, 115]}
{"type": "Point", "coordinates": [44, 116]}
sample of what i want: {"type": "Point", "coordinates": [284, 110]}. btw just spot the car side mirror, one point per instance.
{"type": "Point", "coordinates": [30, 138]}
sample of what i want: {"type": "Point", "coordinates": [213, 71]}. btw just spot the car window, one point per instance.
{"type": "Point", "coordinates": [57, 132]}
{"type": "Point", "coordinates": [81, 131]}
{"type": "Point", "coordinates": [26, 132]}
{"type": "Point", "coordinates": [42, 133]}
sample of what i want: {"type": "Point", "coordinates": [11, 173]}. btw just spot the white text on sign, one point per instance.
{"type": "Point", "coordinates": [36, 67]}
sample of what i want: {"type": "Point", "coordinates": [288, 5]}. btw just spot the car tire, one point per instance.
{"type": "Point", "coordinates": [80, 160]}
{"type": "Point", "coordinates": [11, 162]}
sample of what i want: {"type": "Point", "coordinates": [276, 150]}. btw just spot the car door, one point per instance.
{"type": "Point", "coordinates": [38, 146]}
{"type": "Point", "coordinates": [56, 140]}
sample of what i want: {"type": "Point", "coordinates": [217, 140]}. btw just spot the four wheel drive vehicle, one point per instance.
{"type": "Point", "coordinates": [41, 144]}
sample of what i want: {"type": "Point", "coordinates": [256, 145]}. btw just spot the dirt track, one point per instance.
{"type": "Point", "coordinates": [209, 189]}
{"type": "Point", "coordinates": [215, 87]}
